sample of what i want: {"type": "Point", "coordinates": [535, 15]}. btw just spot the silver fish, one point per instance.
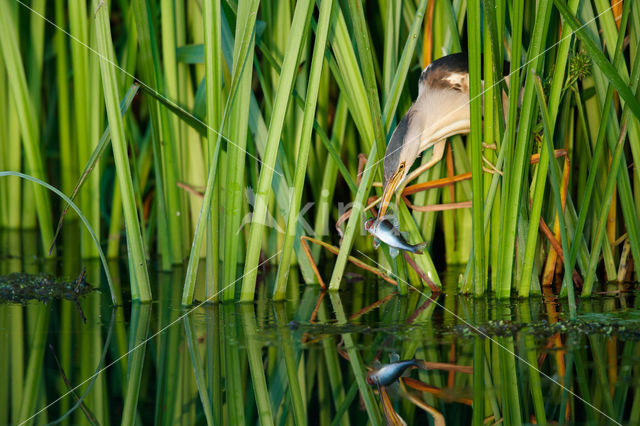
{"type": "Point", "coordinates": [389, 373]}
{"type": "Point", "coordinates": [385, 231]}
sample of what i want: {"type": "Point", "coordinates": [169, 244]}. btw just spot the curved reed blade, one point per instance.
{"type": "Point", "coordinates": [116, 298]}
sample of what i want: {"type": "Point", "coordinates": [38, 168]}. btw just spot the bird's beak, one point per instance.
{"type": "Point", "coordinates": [389, 189]}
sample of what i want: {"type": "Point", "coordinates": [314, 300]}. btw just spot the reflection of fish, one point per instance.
{"type": "Point", "coordinates": [388, 374]}
{"type": "Point", "coordinates": [385, 231]}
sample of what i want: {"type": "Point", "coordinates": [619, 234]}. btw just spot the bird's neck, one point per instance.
{"type": "Point", "coordinates": [444, 115]}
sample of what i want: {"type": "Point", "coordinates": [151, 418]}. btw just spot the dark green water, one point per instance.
{"type": "Point", "coordinates": [284, 364]}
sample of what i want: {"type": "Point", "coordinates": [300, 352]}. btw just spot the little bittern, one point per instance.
{"type": "Point", "coordinates": [441, 110]}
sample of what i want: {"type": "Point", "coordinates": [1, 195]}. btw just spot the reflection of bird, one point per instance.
{"type": "Point", "coordinates": [441, 110]}
{"type": "Point", "coordinates": [387, 375]}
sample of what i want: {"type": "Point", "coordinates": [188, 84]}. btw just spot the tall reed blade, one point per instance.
{"type": "Point", "coordinates": [211, 14]}
{"type": "Point", "coordinates": [555, 96]}
{"type": "Point", "coordinates": [515, 169]}
{"type": "Point", "coordinates": [555, 186]}
{"type": "Point", "coordinates": [245, 43]}
{"type": "Point", "coordinates": [67, 155]}
{"type": "Point", "coordinates": [475, 139]}
{"type": "Point", "coordinates": [374, 156]}
{"type": "Point", "coordinates": [140, 288]}
{"type": "Point", "coordinates": [150, 69]}
{"type": "Point", "coordinates": [608, 192]}
{"type": "Point", "coordinates": [299, 31]}
{"type": "Point", "coordinates": [634, 106]}
{"type": "Point", "coordinates": [237, 127]}
{"type": "Point", "coordinates": [304, 148]}
{"type": "Point", "coordinates": [27, 116]}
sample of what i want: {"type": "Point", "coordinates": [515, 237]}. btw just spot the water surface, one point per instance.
{"type": "Point", "coordinates": [305, 361]}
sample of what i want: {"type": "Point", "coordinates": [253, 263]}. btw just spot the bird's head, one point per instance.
{"type": "Point", "coordinates": [441, 110]}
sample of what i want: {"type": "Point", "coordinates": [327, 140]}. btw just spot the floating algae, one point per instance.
{"type": "Point", "coordinates": [20, 288]}
{"type": "Point", "coordinates": [624, 328]}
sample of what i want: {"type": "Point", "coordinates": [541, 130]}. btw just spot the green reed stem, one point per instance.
{"type": "Point", "coordinates": [90, 167]}
{"type": "Point", "coordinates": [211, 15]}
{"type": "Point", "coordinates": [237, 126]}
{"type": "Point", "coordinates": [367, 178]}
{"type": "Point", "coordinates": [611, 37]}
{"type": "Point", "coordinates": [27, 116]}
{"type": "Point", "coordinates": [492, 124]}
{"type": "Point", "coordinates": [555, 96]}
{"type": "Point", "coordinates": [600, 60]}
{"type": "Point", "coordinates": [515, 172]}
{"type": "Point", "coordinates": [604, 209]}
{"type": "Point", "coordinates": [140, 289]}
{"type": "Point", "coordinates": [366, 63]}
{"type": "Point", "coordinates": [35, 52]}
{"type": "Point", "coordinates": [5, 149]}
{"type": "Point", "coordinates": [328, 186]}
{"type": "Point", "coordinates": [509, 217]}
{"type": "Point", "coordinates": [608, 69]}
{"type": "Point", "coordinates": [172, 83]}
{"type": "Point", "coordinates": [246, 43]}
{"type": "Point", "coordinates": [556, 182]}
{"type": "Point", "coordinates": [67, 155]}
{"type": "Point", "coordinates": [78, 26]}
{"type": "Point", "coordinates": [349, 79]}
{"type": "Point", "coordinates": [391, 41]}
{"type": "Point", "coordinates": [330, 145]}
{"type": "Point", "coordinates": [475, 139]}
{"type": "Point", "coordinates": [299, 32]}
{"type": "Point", "coordinates": [304, 144]}
{"type": "Point", "coordinates": [149, 69]}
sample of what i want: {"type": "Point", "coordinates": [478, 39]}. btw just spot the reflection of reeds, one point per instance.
{"type": "Point", "coordinates": [198, 371]}
{"type": "Point", "coordinates": [243, 363]}
{"type": "Point", "coordinates": [138, 332]}
{"type": "Point", "coordinates": [256, 366]}
{"type": "Point", "coordinates": [272, 104]}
